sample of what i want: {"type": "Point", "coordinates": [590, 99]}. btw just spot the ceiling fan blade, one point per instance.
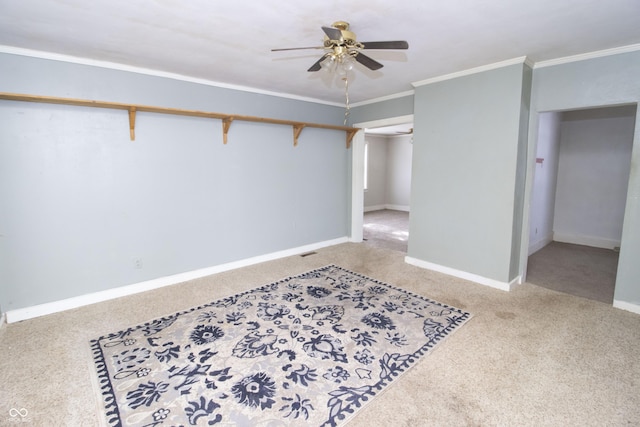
{"type": "Point", "coordinates": [368, 62]}
{"type": "Point", "coordinates": [316, 66]}
{"type": "Point", "coordinates": [297, 48]}
{"type": "Point", "coordinates": [332, 33]}
{"type": "Point", "coordinates": [396, 44]}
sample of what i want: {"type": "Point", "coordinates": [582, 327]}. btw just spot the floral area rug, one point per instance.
{"type": "Point", "coordinates": [306, 350]}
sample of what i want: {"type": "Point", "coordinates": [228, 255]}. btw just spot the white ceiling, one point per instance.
{"type": "Point", "coordinates": [229, 42]}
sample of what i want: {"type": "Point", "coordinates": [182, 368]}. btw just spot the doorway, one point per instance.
{"type": "Point", "coordinates": [387, 186]}
{"type": "Point", "coordinates": [578, 200]}
{"type": "Point", "coordinates": [358, 172]}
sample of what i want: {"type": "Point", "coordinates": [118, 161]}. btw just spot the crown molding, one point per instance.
{"type": "Point", "coordinates": [590, 55]}
{"type": "Point", "coordinates": [384, 98]}
{"type": "Point", "coordinates": [147, 71]}
{"type": "Point", "coordinates": [470, 71]}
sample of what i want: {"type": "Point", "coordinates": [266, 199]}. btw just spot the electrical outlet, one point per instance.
{"type": "Point", "coordinates": [137, 263]}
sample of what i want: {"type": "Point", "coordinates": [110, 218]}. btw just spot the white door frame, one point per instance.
{"type": "Point", "coordinates": [357, 171]}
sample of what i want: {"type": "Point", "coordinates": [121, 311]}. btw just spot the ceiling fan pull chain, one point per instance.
{"type": "Point", "coordinates": [346, 95]}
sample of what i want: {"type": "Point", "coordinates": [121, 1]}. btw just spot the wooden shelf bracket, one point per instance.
{"type": "Point", "coordinates": [296, 133]}
{"type": "Point", "coordinates": [226, 124]}
{"type": "Point", "coordinates": [132, 123]}
{"type": "Point", "coordinates": [350, 134]}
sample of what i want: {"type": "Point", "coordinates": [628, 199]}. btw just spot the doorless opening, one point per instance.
{"type": "Point", "coordinates": [357, 171]}
{"type": "Point", "coordinates": [578, 199]}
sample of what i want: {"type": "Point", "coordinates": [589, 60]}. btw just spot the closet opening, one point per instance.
{"type": "Point", "coordinates": [578, 201]}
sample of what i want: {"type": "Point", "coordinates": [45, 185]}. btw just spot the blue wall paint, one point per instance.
{"type": "Point", "coordinates": [80, 201]}
{"type": "Point", "coordinates": [464, 172]}
{"type": "Point", "coordinates": [396, 107]}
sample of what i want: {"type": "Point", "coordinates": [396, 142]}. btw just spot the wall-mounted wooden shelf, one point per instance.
{"type": "Point", "coordinates": [227, 119]}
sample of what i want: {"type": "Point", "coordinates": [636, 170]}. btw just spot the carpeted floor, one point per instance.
{"type": "Point", "coordinates": [529, 357]}
{"type": "Point", "coordinates": [387, 229]}
{"type": "Point", "coordinates": [575, 269]}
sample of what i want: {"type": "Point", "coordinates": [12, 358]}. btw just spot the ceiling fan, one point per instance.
{"type": "Point", "coordinates": [341, 48]}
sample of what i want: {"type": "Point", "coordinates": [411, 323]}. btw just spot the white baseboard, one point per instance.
{"type": "Point", "coordinates": [397, 208]}
{"type": "Point", "coordinates": [95, 297]}
{"type": "Point", "coordinates": [381, 207]}
{"type": "Point", "coordinates": [503, 286]}
{"type": "Point", "coordinates": [622, 305]}
{"type": "Point", "coordinates": [596, 242]}
{"type": "Point", "coordinates": [536, 246]}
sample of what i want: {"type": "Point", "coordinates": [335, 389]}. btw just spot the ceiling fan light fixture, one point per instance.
{"type": "Point", "coordinates": [341, 47]}
{"type": "Point", "coordinates": [342, 51]}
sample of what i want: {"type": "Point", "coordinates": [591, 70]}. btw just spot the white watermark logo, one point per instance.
{"type": "Point", "coordinates": [18, 415]}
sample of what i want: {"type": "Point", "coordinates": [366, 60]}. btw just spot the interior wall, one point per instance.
{"type": "Point", "coordinates": [593, 175]}
{"type": "Point", "coordinates": [399, 154]}
{"type": "Point", "coordinates": [84, 209]}
{"type": "Point", "coordinates": [381, 111]}
{"type": "Point", "coordinates": [389, 172]}
{"type": "Point", "coordinates": [520, 181]}
{"type": "Point", "coordinates": [376, 192]}
{"type": "Point", "coordinates": [545, 178]}
{"type": "Point", "coordinates": [466, 151]}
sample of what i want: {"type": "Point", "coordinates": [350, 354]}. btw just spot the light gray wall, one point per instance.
{"type": "Point", "coordinates": [464, 184]}
{"type": "Point", "coordinates": [80, 201]}
{"type": "Point", "coordinates": [389, 172]}
{"type": "Point", "coordinates": [610, 80]}
{"type": "Point", "coordinates": [519, 188]}
{"type": "Point", "coordinates": [396, 107]}
{"type": "Point", "coordinates": [376, 192]}
{"type": "Point", "coordinates": [593, 174]}
{"type": "Point", "coordinates": [399, 158]}
{"type": "Point", "coordinates": [545, 178]}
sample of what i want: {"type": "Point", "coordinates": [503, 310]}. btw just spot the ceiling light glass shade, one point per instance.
{"type": "Point", "coordinates": [329, 64]}
{"type": "Point", "coordinates": [338, 63]}
{"type": "Point", "coordinates": [345, 64]}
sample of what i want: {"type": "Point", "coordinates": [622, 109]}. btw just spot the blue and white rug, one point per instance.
{"type": "Point", "coordinates": [307, 350]}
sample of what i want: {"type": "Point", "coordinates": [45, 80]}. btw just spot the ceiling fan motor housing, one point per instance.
{"type": "Point", "coordinates": [348, 38]}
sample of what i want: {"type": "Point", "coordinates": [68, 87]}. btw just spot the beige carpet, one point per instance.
{"type": "Point", "coordinates": [530, 357]}
{"type": "Point", "coordinates": [575, 269]}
